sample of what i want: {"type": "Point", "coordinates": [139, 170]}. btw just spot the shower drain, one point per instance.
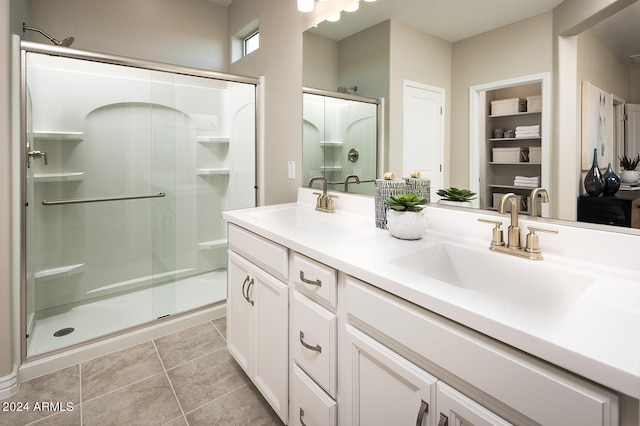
{"type": "Point", "coordinates": [63, 332]}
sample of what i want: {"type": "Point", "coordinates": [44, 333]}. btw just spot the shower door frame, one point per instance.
{"type": "Point", "coordinates": [32, 47]}
{"type": "Point", "coordinates": [380, 114]}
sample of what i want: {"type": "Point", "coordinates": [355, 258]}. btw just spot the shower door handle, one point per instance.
{"type": "Point", "coordinates": [36, 155]}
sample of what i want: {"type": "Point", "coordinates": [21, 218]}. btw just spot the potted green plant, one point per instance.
{"type": "Point", "coordinates": [456, 197]}
{"type": "Point", "coordinates": [629, 173]}
{"type": "Point", "coordinates": [405, 218]}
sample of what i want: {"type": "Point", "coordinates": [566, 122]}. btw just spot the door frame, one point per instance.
{"type": "Point", "coordinates": [478, 130]}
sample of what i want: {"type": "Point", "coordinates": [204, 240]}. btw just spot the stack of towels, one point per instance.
{"type": "Point", "coordinates": [528, 131]}
{"type": "Point", "coordinates": [527, 182]}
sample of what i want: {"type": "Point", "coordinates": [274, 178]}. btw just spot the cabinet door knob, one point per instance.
{"type": "Point", "coordinates": [316, 348]}
{"type": "Point", "coordinates": [424, 409]}
{"type": "Point", "coordinates": [306, 281]}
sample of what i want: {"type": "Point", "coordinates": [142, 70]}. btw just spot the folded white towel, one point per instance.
{"type": "Point", "coordinates": [525, 185]}
{"type": "Point", "coordinates": [525, 128]}
{"type": "Point", "coordinates": [528, 182]}
{"type": "Point", "coordinates": [528, 134]}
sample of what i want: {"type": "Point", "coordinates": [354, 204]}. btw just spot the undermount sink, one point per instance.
{"type": "Point", "coordinates": [517, 282]}
{"type": "Point", "coordinates": [292, 216]}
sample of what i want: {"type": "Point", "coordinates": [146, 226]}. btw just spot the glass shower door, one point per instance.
{"type": "Point", "coordinates": [124, 220]}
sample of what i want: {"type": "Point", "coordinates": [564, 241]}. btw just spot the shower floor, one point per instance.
{"type": "Point", "coordinates": [119, 312]}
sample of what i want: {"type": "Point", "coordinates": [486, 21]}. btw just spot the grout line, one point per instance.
{"type": "Point", "coordinates": [221, 396]}
{"type": "Point", "coordinates": [125, 386]}
{"type": "Point", "coordinates": [175, 395]}
{"type": "Point", "coordinates": [198, 357]}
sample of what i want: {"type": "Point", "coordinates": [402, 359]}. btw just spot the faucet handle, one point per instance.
{"type": "Point", "coordinates": [497, 239]}
{"type": "Point", "coordinates": [533, 243]}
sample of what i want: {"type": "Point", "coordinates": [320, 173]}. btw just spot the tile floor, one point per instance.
{"type": "Point", "coordinates": [185, 378]}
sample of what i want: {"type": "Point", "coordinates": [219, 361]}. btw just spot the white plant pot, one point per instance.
{"type": "Point", "coordinates": [406, 225]}
{"type": "Point", "coordinates": [629, 176]}
{"type": "Point", "coordinates": [455, 203]}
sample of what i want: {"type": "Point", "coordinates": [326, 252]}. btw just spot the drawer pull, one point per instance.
{"type": "Point", "coordinates": [444, 420]}
{"type": "Point", "coordinates": [244, 285]}
{"type": "Point", "coordinates": [424, 409]}
{"type": "Point", "coordinates": [306, 281]}
{"type": "Point", "coordinates": [316, 348]}
{"type": "Point", "coordinates": [302, 415]}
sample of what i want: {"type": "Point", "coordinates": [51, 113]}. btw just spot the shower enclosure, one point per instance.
{"type": "Point", "coordinates": [127, 168]}
{"type": "Point", "coordinates": [340, 140]}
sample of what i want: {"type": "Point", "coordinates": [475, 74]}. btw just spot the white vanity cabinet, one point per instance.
{"type": "Point", "coordinates": [257, 314]}
{"type": "Point", "coordinates": [313, 341]}
{"type": "Point", "coordinates": [511, 385]}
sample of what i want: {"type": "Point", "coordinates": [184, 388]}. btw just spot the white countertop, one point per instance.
{"type": "Point", "coordinates": [597, 336]}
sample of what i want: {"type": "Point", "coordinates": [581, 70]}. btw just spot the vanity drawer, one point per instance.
{"type": "Point", "coordinates": [318, 281]}
{"type": "Point", "coordinates": [314, 341]}
{"type": "Point", "coordinates": [270, 256]}
{"type": "Point", "coordinates": [311, 405]}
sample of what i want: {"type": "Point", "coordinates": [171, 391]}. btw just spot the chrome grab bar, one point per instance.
{"type": "Point", "coordinates": [100, 200]}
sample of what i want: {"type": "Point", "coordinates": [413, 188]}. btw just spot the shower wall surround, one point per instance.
{"type": "Point", "coordinates": [335, 129]}
{"type": "Point", "coordinates": [181, 146]}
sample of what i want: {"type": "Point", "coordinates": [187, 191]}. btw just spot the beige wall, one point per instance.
{"type": "Point", "coordinates": [420, 58]}
{"type": "Point", "coordinates": [598, 64]}
{"type": "Point", "coordinates": [6, 330]}
{"type": "Point", "coordinates": [319, 62]}
{"type": "Point", "coordinates": [186, 32]}
{"type": "Point", "coordinates": [516, 50]}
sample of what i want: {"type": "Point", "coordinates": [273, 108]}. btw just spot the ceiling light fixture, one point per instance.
{"type": "Point", "coordinates": [334, 18]}
{"type": "Point", "coordinates": [352, 7]}
{"type": "Point", "coordinates": [305, 5]}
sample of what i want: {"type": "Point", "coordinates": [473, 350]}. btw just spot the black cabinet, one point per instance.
{"type": "Point", "coordinates": [621, 209]}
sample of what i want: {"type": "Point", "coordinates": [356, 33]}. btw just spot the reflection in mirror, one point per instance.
{"type": "Point", "coordinates": [340, 140]}
{"type": "Point", "coordinates": [522, 46]}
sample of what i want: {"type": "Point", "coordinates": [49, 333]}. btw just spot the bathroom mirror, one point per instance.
{"type": "Point", "coordinates": [373, 78]}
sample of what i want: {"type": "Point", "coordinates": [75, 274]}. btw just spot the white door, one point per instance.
{"type": "Point", "coordinates": [383, 387]}
{"type": "Point", "coordinates": [239, 311]}
{"type": "Point", "coordinates": [423, 133]}
{"type": "Point", "coordinates": [632, 145]}
{"type": "Point", "coordinates": [270, 368]}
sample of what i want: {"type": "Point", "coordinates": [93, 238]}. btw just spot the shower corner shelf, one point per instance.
{"type": "Point", "coordinates": [213, 139]}
{"type": "Point", "coordinates": [213, 244]}
{"type": "Point", "coordinates": [59, 136]}
{"type": "Point", "coordinates": [210, 172]}
{"type": "Point", "coordinates": [52, 273]}
{"type": "Point", "coordinates": [58, 177]}
{"type": "Point", "coordinates": [331, 143]}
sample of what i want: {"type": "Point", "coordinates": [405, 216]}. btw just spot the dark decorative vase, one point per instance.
{"type": "Point", "coordinates": [611, 182]}
{"type": "Point", "coordinates": [593, 182]}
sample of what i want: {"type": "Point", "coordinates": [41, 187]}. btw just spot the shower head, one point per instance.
{"type": "Point", "coordinates": [349, 90]}
{"type": "Point", "coordinates": [64, 43]}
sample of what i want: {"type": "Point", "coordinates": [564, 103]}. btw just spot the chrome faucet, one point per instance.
{"type": "Point", "coordinates": [532, 248]}
{"type": "Point", "coordinates": [346, 181]}
{"type": "Point", "coordinates": [324, 203]}
{"type": "Point", "coordinates": [533, 199]}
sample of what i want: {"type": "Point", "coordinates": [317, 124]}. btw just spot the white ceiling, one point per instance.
{"type": "Point", "coordinates": [446, 19]}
